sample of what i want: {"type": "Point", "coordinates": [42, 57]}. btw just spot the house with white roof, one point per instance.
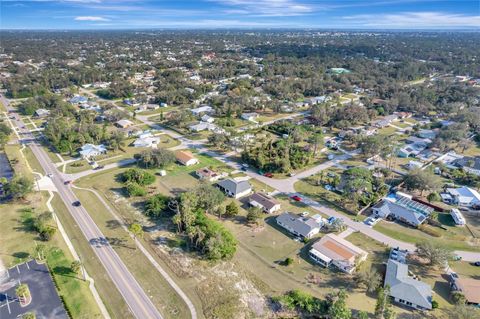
{"type": "Point", "coordinates": [250, 116]}
{"type": "Point", "coordinates": [91, 150]}
{"type": "Point", "coordinates": [208, 119]}
{"type": "Point", "coordinates": [201, 110]}
{"type": "Point", "coordinates": [146, 139]}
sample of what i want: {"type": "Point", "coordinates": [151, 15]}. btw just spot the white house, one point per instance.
{"type": "Point", "coordinates": [202, 109]}
{"type": "Point", "coordinates": [146, 140]}
{"type": "Point", "coordinates": [250, 116]}
{"type": "Point", "coordinates": [186, 158]}
{"type": "Point", "coordinates": [91, 150]}
{"type": "Point", "coordinates": [207, 119]}
{"type": "Point", "coordinates": [299, 226]}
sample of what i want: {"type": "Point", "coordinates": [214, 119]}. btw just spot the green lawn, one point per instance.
{"type": "Point", "coordinates": [18, 244]}
{"type": "Point", "coordinates": [388, 130]}
{"type": "Point", "coordinates": [77, 166]}
{"type": "Point", "coordinates": [455, 238]}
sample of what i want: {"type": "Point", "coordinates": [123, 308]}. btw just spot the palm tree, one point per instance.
{"type": "Point", "coordinates": [40, 251]}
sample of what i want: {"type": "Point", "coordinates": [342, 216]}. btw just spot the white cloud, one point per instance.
{"type": "Point", "coordinates": [410, 20]}
{"type": "Point", "coordinates": [91, 18]}
{"type": "Point", "coordinates": [266, 7]}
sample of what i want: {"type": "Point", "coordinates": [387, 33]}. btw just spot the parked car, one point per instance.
{"type": "Point", "coordinates": [67, 182]}
{"type": "Point", "coordinates": [304, 214]}
{"type": "Point", "coordinates": [269, 175]}
{"type": "Point", "coordinates": [77, 203]}
{"type": "Point", "coordinates": [296, 198]}
{"type": "Point", "coordinates": [372, 220]}
{"type": "Point", "coordinates": [99, 167]}
{"type": "Point", "coordinates": [477, 263]}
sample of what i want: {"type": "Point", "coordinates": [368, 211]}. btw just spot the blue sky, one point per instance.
{"type": "Point", "coordinates": [245, 14]}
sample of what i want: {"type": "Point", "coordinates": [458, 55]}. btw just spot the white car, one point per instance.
{"type": "Point", "coordinates": [372, 220]}
{"type": "Point", "coordinates": [304, 214]}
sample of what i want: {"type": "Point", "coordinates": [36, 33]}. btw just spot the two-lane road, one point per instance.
{"type": "Point", "coordinates": [139, 303]}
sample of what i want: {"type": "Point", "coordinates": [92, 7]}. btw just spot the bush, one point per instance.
{"type": "Point", "coordinates": [458, 298]}
{"type": "Point", "coordinates": [156, 205]}
{"type": "Point", "coordinates": [133, 189]}
{"type": "Point", "coordinates": [231, 209]}
{"type": "Point", "coordinates": [138, 176]}
{"type": "Point", "coordinates": [288, 261]}
{"type": "Point", "coordinates": [434, 304]}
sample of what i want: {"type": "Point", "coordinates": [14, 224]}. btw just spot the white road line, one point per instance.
{"type": "Point", "coordinates": [8, 305]}
{"type": "Point", "coordinates": [27, 265]}
{"type": "Point", "coordinates": [18, 269]}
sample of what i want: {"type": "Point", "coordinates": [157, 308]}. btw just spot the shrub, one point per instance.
{"type": "Point", "coordinates": [434, 304]}
{"type": "Point", "coordinates": [133, 189]}
{"type": "Point", "coordinates": [288, 261]}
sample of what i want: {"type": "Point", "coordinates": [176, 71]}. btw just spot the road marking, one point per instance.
{"type": "Point", "coordinates": [8, 305]}
{"type": "Point", "coordinates": [27, 264]}
{"type": "Point", "coordinates": [18, 270]}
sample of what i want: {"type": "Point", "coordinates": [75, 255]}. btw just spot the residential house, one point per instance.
{"type": "Point", "coordinates": [91, 150]}
{"type": "Point", "coordinates": [303, 227]}
{"type": "Point", "coordinates": [41, 113]}
{"type": "Point", "coordinates": [414, 165]}
{"type": "Point", "coordinates": [332, 250]}
{"type": "Point", "coordinates": [250, 116]}
{"type": "Point", "coordinates": [210, 175]}
{"type": "Point", "coordinates": [469, 287]}
{"type": "Point", "coordinates": [235, 189]}
{"type": "Point", "coordinates": [207, 119]}
{"type": "Point", "coordinates": [414, 147]}
{"type": "Point", "coordinates": [186, 158]}
{"type": "Point", "coordinates": [428, 134]}
{"type": "Point", "coordinates": [146, 140]}
{"type": "Point", "coordinates": [463, 196]}
{"type": "Point", "coordinates": [124, 123]}
{"type": "Point", "coordinates": [78, 99]}
{"type": "Point", "coordinates": [403, 209]}
{"type": "Point", "coordinates": [386, 121]}
{"type": "Point", "coordinates": [406, 290]}
{"type": "Point", "coordinates": [202, 126]}
{"type": "Point", "coordinates": [201, 110]}
{"type": "Point", "coordinates": [265, 202]}
{"type": "Point", "coordinates": [468, 164]}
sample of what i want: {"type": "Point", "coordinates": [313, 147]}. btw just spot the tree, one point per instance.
{"type": "Point", "coordinates": [421, 180]}
{"type": "Point", "coordinates": [136, 229]}
{"type": "Point", "coordinates": [383, 308]}
{"type": "Point", "coordinates": [362, 315]}
{"type": "Point", "coordinates": [336, 225]}
{"type": "Point", "coordinates": [18, 188]}
{"type": "Point", "coordinates": [133, 189]}
{"type": "Point", "coordinates": [434, 197]}
{"type": "Point", "coordinates": [368, 278]}
{"type": "Point", "coordinates": [156, 158]}
{"type": "Point", "coordinates": [458, 298]}
{"type": "Point", "coordinates": [138, 176]}
{"type": "Point", "coordinates": [254, 214]}
{"type": "Point", "coordinates": [156, 205]}
{"type": "Point", "coordinates": [209, 197]}
{"type": "Point", "coordinates": [338, 306]}
{"type": "Point", "coordinates": [434, 253]}
{"type": "Point", "coordinates": [76, 266]}
{"type": "Point", "coordinates": [231, 209]}
{"type": "Point", "coordinates": [5, 132]}
{"type": "Point", "coordinates": [29, 315]}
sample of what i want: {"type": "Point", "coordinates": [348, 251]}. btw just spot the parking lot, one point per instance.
{"type": "Point", "coordinates": [45, 301]}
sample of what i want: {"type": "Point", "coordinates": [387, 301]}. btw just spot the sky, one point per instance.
{"type": "Point", "coordinates": [240, 14]}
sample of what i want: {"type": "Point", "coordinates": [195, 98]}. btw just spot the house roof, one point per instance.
{"type": "Point", "coordinates": [465, 194]}
{"type": "Point", "coordinates": [184, 156]}
{"type": "Point", "coordinates": [206, 172]}
{"type": "Point", "coordinates": [337, 248]}
{"type": "Point", "coordinates": [124, 123]}
{"type": "Point", "coordinates": [406, 288]}
{"type": "Point", "coordinates": [264, 200]}
{"type": "Point", "coordinates": [468, 161]}
{"type": "Point", "coordinates": [409, 214]}
{"type": "Point", "coordinates": [302, 226]}
{"type": "Point", "coordinates": [233, 186]}
{"type": "Point", "coordinates": [470, 288]}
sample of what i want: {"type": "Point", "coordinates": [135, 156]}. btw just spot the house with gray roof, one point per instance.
{"type": "Point", "coordinates": [235, 189]}
{"type": "Point", "coordinates": [468, 164]}
{"type": "Point", "coordinates": [266, 203]}
{"type": "Point", "coordinates": [403, 209]}
{"type": "Point", "coordinates": [299, 226]}
{"type": "Point", "coordinates": [406, 290]}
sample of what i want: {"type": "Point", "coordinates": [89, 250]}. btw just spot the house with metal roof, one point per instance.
{"type": "Point", "coordinates": [235, 189]}
{"type": "Point", "coordinates": [468, 164]}
{"type": "Point", "coordinates": [91, 150]}
{"type": "Point", "coordinates": [403, 209]}
{"type": "Point", "coordinates": [303, 227]}
{"type": "Point", "coordinates": [332, 250]}
{"type": "Point", "coordinates": [406, 290]}
{"type": "Point", "coordinates": [462, 196]}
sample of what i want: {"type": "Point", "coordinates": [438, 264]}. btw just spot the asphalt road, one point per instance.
{"type": "Point", "coordinates": [139, 303]}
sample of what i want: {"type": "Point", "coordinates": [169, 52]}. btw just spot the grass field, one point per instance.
{"type": "Point", "coordinates": [162, 295]}
{"type": "Point", "coordinates": [455, 238]}
{"type": "Point", "coordinates": [18, 244]}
